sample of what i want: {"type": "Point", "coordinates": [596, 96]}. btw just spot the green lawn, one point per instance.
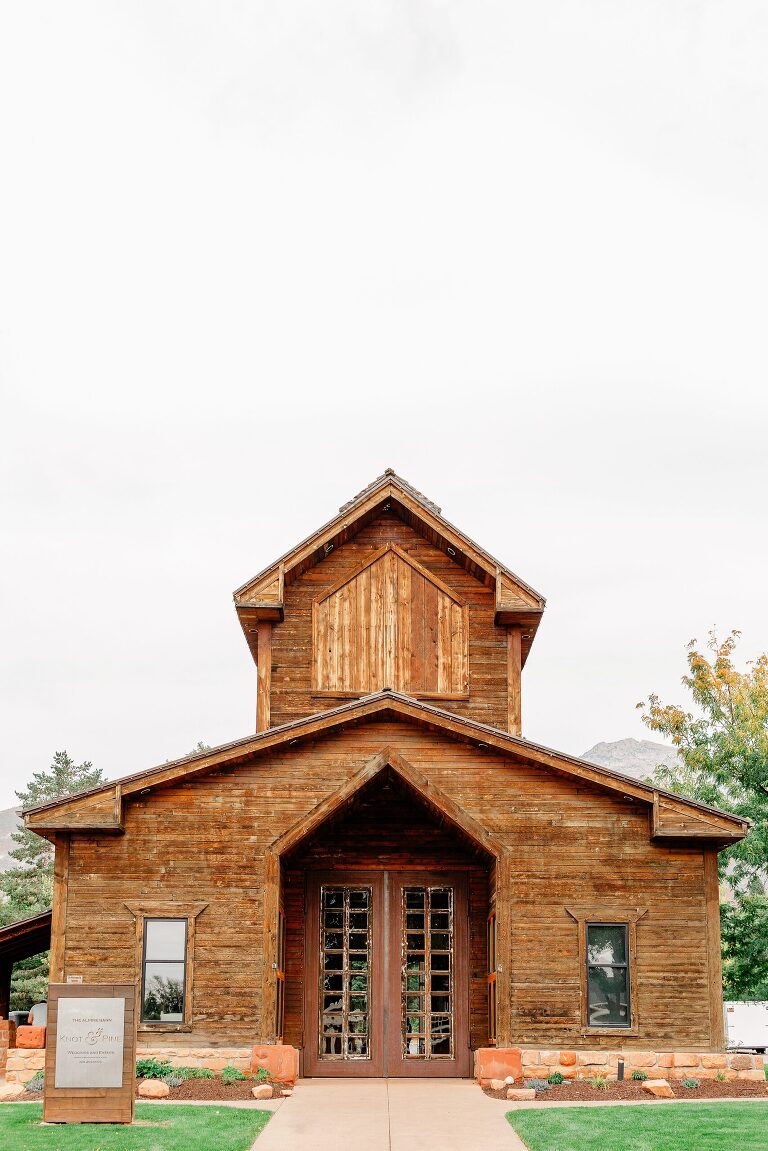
{"type": "Point", "coordinates": [677, 1127]}
{"type": "Point", "coordinates": [183, 1129]}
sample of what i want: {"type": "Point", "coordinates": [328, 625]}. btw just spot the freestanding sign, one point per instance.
{"type": "Point", "coordinates": [90, 1058]}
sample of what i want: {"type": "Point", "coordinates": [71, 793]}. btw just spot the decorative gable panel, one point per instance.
{"type": "Point", "coordinates": [391, 623]}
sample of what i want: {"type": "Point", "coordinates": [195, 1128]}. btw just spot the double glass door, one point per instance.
{"type": "Point", "coordinates": [386, 974]}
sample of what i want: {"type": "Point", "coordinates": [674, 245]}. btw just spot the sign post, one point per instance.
{"type": "Point", "coordinates": [90, 1053]}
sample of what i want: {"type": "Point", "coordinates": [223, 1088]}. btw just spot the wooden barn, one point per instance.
{"type": "Point", "coordinates": [387, 876]}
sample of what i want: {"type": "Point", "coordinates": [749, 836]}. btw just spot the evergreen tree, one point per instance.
{"type": "Point", "coordinates": [27, 888]}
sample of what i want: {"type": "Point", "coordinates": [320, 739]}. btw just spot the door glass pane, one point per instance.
{"type": "Point", "coordinates": [427, 965]}
{"type": "Point", "coordinates": [345, 953]}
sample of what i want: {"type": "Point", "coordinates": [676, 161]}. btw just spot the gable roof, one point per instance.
{"type": "Point", "coordinates": [262, 598]}
{"type": "Point", "coordinates": [671, 818]}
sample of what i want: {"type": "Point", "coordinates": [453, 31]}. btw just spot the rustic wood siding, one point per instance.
{"type": "Point", "coordinates": [205, 839]}
{"type": "Point", "coordinates": [449, 662]}
{"type": "Point", "coordinates": [390, 624]}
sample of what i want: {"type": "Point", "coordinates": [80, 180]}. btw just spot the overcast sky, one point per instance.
{"type": "Point", "coordinates": [252, 254]}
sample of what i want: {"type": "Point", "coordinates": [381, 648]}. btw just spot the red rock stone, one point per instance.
{"type": "Point", "coordinates": [497, 1063]}
{"type": "Point", "coordinates": [658, 1087]}
{"type": "Point", "coordinates": [280, 1059]}
{"type": "Point", "coordinates": [567, 1058]}
{"type": "Point", "coordinates": [154, 1089]}
{"type": "Point", "coordinates": [30, 1037]}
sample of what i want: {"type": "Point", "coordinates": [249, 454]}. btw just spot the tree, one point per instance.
{"type": "Point", "coordinates": [27, 889]}
{"type": "Point", "coordinates": [723, 750]}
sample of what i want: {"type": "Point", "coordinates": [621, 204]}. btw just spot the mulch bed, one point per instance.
{"type": "Point", "coordinates": [579, 1091]}
{"type": "Point", "coordinates": [212, 1089]}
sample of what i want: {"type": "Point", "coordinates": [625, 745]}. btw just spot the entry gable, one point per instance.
{"type": "Point", "coordinates": [676, 817]}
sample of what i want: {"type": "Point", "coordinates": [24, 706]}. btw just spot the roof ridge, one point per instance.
{"type": "Point", "coordinates": [391, 474]}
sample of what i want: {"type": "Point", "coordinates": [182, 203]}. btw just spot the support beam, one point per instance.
{"type": "Point", "coordinates": [59, 917]}
{"type": "Point", "coordinates": [6, 968]}
{"type": "Point", "coordinates": [263, 675]}
{"type": "Point", "coordinates": [514, 671]}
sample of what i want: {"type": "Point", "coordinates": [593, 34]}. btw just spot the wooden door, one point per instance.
{"type": "Point", "coordinates": [386, 976]}
{"type": "Point", "coordinates": [427, 977]}
{"type": "Point", "coordinates": [344, 974]}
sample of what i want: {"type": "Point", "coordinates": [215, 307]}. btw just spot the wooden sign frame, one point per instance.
{"type": "Point", "coordinates": [90, 1104]}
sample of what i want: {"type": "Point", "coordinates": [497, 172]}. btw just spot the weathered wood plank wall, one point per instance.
{"type": "Point", "coordinates": [570, 842]}
{"type": "Point", "coordinates": [437, 663]}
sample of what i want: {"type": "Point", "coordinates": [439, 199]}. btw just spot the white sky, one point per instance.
{"type": "Point", "coordinates": [253, 254]}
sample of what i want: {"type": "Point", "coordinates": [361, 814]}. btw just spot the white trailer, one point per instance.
{"type": "Point", "coordinates": [746, 1025]}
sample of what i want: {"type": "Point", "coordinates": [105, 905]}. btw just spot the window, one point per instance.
{"type": "Point", "coordinates": [164, 962]}
{"type": "Point", "coordinates": [164, 970]}
{"type": "Point", "coordinates": [607, 948]}
{"type": "Point", "coordinates": [492, 979]}
{"type": "Point", "coordinates": [608, 975]}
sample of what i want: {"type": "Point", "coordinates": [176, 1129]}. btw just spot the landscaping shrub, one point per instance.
{"type": "Point", "coordinates": [192, 1073]}
{"type": "Point", "coordinates": [37, 1082]}
{"type": "Point", "coordinates": [639, 1076]}
{"type": "Point", "coordinates": [691, 1084]}
{"type": "Point", "coordinates": [231, 1075]}
{"type": "Point", "coordinates": [151, 1068]}
{"type": "Point", "coordinates": [600, 1083]}
{"type": "Point", "coordinates": [556, 1078]}
{"type": "Point", "coordinates": [537, 1084]}
{"type": "Point", "coordinates": [720, 1077]}
{"type": "Point", "coordinates": [173, 1080]}
{"type": "Point", "coordinates": [263, 1075]}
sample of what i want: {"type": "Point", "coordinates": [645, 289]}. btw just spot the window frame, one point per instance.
{"type": "Point", "coordinates": [625, 967]}
{"type": "Point", "coordinates": [607, 915]}
{"type": "Point", "coordinates": [147, 919]}
{"type": "Point", "coordinates": [164, 909]}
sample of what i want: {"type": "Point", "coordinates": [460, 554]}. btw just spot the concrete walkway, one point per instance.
{"type": "Point", "coordinates": [389, 1115]}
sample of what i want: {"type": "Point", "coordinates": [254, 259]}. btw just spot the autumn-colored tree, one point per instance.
{"type": "Point", "coordinates": [723, 752]}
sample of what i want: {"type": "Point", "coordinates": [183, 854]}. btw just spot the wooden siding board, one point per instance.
{"type": "Point", "coordinates": [205, 838]}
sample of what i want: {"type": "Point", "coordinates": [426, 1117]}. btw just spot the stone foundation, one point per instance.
{"type": "Point", "coordinates": [7, 1039]}
{"type": "Point", "coordinates": [538, 1063]}
{"type": "Point", "coordinates": [22, 1064]}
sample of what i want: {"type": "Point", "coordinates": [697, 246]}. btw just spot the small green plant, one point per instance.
{"type": "Point", "coordinates": [151, 1068]}
{"type": "Point", "coordinates": [639, 1076]}
{"type": "Point", "coordinates": [556, 1078]}
{"type": "Point", "coordinates": [537, 1084]}
{"type": "Point", "coordinates": [231, 1075]}
{"type": "Point", "coordinates": [691, 1084]}
{"type": "Point", "coordinates": [173, 1080]}
{"type": "Point", "coordinates": [193, 1073]}
{"type": "Point", "coordinates": [37, 1082]}
{"type": "Point", "coordinates": [720, 1076]}
{"type": "Point", "coordinates": [599, 1083]}
{"type": "Point", "coordinates": [263, 1075]}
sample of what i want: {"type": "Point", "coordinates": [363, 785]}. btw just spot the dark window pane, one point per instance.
{"type": "Point", "coordinates": [359, 898]}
{"type": "Point", "coordinates": [606, 945]}
{"type": "Point", "coordinates": [165, 939]}
{"type": "Point", "coordinates": [163, 993]}
{"type": "Point", "coordinates": [608, 998]}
